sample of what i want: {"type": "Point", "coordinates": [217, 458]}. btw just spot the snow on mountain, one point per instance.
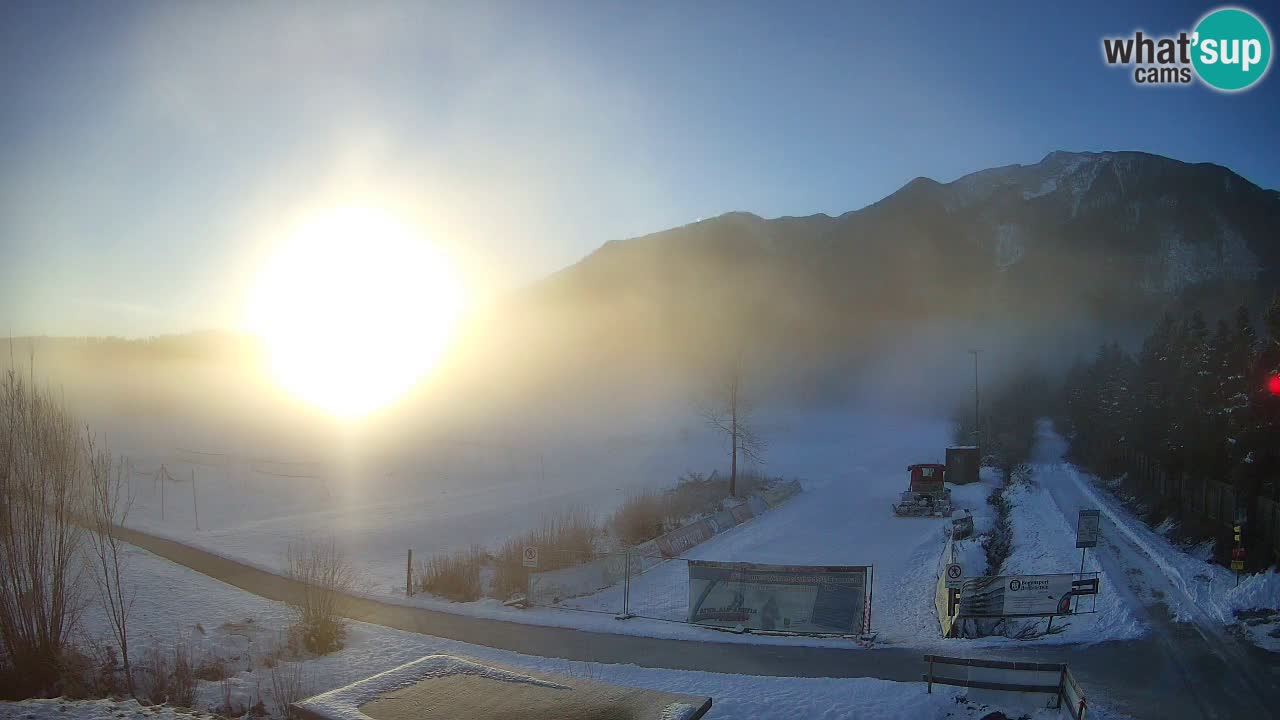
{"type": "Point", "coordinates": [1010, 245]}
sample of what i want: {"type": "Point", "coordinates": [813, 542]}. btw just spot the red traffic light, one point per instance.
{"type": "Point", "coordinates": [1273, 384]}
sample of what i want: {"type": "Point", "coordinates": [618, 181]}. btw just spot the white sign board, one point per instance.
{"type": "Point", "coordinates": [1014, 595]}
{"type": "Point", "coordinates": [955, 574]}
{"type": "Point", "coordinates": [1087, 527]}
{"type": "Point", "coordinates": [531, 557]}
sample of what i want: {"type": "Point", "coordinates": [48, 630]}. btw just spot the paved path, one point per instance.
{"type": "Point", "coordinates": [1219, 674]}
{"type": "Point", "coordinates": [1178, 671]}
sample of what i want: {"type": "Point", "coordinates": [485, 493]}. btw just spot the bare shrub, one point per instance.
{"type": "Point", "coordinates": [454, 576]}
{"type": "Point", "coordinates": [641, 517]}
{"type": "Point", "coordinates": [649, 514]}
{"type": "Point", "coordinates": [697, 494]}
{"type": "Point", "coordinates": [183, 688]}
{"type": "Point", "coordinates": [259, 706]}
{"type": "Point", "coordinates": [108, 507]}
{"type": "Point", "coordinates": [212, 668]}
{"type": "Point", "coordinates": [106, 678]}
{"type": "Point", "coordinates": [81, 677]}
{"type": "Point", "coordinates": [229, 708]}
{"type": "Point", "coordinates": [324, 578]}
{"type": "Point", "coordinates": [154, 673]}
{"type": "Point", "coordinates": [288, 685]}
{"type": "Point", "coordinates": [41, 498]}
{"type": "Point", "coordinates": [510, 576]}
{"type": "Point", "coordinates": [288, 645]}
{"type": "Point", "coordinates": [565, 539]}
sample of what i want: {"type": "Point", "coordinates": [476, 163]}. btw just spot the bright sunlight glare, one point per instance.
{"type": "Point", "coordinates": [354, 308]}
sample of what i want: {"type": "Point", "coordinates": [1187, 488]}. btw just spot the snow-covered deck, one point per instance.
{"type": "Point", "coordinates": [443, 686]}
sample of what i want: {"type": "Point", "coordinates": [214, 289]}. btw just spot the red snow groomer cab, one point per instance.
{"type": "Point", "coordinates": [927, 494]}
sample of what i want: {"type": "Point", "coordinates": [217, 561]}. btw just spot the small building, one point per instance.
{"type": "Point", "coordinates": [443, 686]}
{"type": "Point", "coordinates": [963, 463]}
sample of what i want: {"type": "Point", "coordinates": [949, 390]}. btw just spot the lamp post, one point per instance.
{"type": "Point", "coordinates": [976, 437]}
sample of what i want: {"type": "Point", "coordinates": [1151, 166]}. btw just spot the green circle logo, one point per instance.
{"type": "Point", "coordinates": [1232, 49]}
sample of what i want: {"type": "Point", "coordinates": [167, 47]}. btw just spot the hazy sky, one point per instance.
{"type": "Point", "coordinates": [150, 151]}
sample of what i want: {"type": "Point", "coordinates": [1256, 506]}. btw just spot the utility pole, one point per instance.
{"type": "Point", "coordinates": [195, 504]}
{"type": "Point", "coordinates": [977, 439]}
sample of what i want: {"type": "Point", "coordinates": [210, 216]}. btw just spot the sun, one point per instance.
{"type": "Point", "coordinates": [354, 308]}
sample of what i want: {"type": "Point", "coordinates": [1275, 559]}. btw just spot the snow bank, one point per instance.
{"type": "Point", "coordinates": [63, 709]}
{"type": "Point", "coordinates": [1043, 544]}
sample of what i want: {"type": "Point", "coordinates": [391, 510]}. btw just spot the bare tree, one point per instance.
{"type": "Point", "coordinates": [325, 577]}
{"type": "Point", "coordinates": [728, 411]}
{"type": "Point", "coordinates": [289, 683]}
{"type": "Point", "coordinates": [40, 534]}
{"type": "Point", "coordinates": [108, 507]}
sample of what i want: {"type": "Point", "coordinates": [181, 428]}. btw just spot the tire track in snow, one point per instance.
{"type": "Point", "coordinates": [1215, 669]}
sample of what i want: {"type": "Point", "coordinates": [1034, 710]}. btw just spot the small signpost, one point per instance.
{"type": "Point", "coordinates": [530, 557]}
{"type": "Point", "coordinates": [1088, 527]}
{"type": "Point", "coordinates": [955, 575]}
{"type": "Point", "coordinates": [1237, 552]}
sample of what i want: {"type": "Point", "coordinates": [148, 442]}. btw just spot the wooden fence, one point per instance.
{"type": "Point", "coordinates": [1205, 506]}
{"type": "Point", "coordinates": [1051, 679]}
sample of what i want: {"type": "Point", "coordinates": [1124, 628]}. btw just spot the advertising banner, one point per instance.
{"type": "Point", "coordinates": [677, 541]}
{"type": "Point", "coordinates": [1016, 595]}
{"type": "Point", "coordinates": [786, 598]}
{"type": "Point", "coordinates": [742, 513]}
{"type": "Point", "coordinates": [722, 521]}
{"type": "Point", "coordinates": [778, 493]}
{"type": "Point", "coordinates": [549, 588]}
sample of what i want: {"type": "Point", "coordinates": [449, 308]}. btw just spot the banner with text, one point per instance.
{"type": "Point", "coordinates": [1016, 595]}
{"type": "Point", "coordinates": [784, 598]}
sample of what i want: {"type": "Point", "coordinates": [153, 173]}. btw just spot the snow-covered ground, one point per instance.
{"type": "Point", "coordinates": [835, 523]}
{"type": "Point", "coordinates": [1147, 567]}
{"type": "Point", "coordinates": [223, 622]}
{"type": "Point", "coordinates": [1044, 543]}
{"type": "Point", "coordinates": [852, 465]}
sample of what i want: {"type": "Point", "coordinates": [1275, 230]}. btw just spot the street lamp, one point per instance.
{"type": "Point", "coordinates": [976, 437]}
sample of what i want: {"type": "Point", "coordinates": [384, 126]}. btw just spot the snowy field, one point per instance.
{"type": "Point", "coordinates": [239, 628]}
{"type": "Point", "coordinates": [845, 522]}
{"type": "Point", "coordinates": [853, 466]}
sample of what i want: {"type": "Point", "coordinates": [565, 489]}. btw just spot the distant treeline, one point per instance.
{"type": "Point", "coordinates": [1199, 402]}
{"type": "Point", "coordinates": [202, 346]}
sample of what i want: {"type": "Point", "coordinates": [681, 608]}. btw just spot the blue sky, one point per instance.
{"type": "Point", "coordinates": [149, 152]}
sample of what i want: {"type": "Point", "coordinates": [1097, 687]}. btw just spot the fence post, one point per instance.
{"type": "Point", "coordinates": [930, 674]}
{"type": "Point", "coordinates": [626, 589]}
{"type": "Point", "coordinates": [195, 504]}
{"type": "Point", "coordinates": [871, 594]}
{"type": "Point", "coordinates": [408, 574]}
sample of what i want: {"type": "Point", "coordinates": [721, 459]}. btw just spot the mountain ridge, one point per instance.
{"type": "Point", "coordinates": [1104, 241]}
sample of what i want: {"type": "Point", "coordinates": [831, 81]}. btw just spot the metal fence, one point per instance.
{"type": "Point", "coordinates": [651, 585]}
